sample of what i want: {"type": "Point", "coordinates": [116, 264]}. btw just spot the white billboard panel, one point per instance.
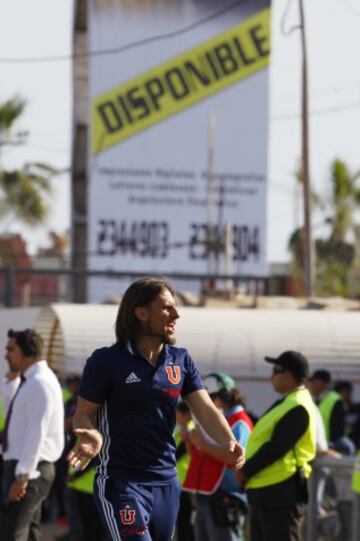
{"type": "Point", "coordinates": [178, 137]}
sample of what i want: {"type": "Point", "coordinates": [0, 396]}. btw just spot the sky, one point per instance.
{"type": "Point", "coordinates": [39, 28]}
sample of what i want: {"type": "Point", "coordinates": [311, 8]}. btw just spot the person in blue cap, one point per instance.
{"type": "Point", "coordinates": [126, 416]}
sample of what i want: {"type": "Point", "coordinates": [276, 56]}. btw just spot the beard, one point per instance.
{"type": "Point", "coordinates": [170, 340]}
{"type": "Point", "coordinates": [165, 338]}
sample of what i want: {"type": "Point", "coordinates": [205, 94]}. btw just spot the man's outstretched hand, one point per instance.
{"type": "Point", "coordinates": [86, 448]}
{"type": "Point", "coordinates": [237, 454]}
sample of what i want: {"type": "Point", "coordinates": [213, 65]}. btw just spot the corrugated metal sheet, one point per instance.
{"type": "Point", "coordinates": [238, 340]}
{"type": "Point", "coordinates": [73, 331]}
{"type": "Point", "coordinates": [48, 324]}
{"type": "Point", "coordinates": [234, 340]}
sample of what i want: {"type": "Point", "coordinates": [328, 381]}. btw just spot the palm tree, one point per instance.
{"type": "Point", "coordinates": [22, 190]}
{"type": "Point", "coordinates": [344, 200]}
{"type": "Point", "coordinates": [296, 240]}
{"type": "Point", "coordinates": [10, 111]}
{"type": "Point", "coordinates": [22, 194]}
{"type": "Point", "coordinates": [335, 254]}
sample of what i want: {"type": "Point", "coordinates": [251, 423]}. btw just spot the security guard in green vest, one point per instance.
{"type": "Point", "coordinates": [356, 475]}
{"type": "Point", "coordinates": [184, 423]}
{"type": "Point", "coordinates": [332, 410]}
{"type": "Point", "coordinates": [356, 488]}
{"type": "Point", "coordinates": [2, 424]}
{"type": "Point", "coordinates": [2, 416]}
{"type": "Point", "coordinates": [279, 453]}
{"type": "Point", "coordinates": [87, 524]}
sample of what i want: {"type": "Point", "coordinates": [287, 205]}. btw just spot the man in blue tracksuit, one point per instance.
{"type": "Point", "coordinates": [126, 416]}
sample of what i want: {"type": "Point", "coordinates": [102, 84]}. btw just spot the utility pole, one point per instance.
{"type": "Point", "coordinates": [79, 152]}
{"type": "Point", "coordinates": [308, 248]}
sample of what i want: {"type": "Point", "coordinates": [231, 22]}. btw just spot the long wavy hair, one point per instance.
{"type": "Point", "coordinates": [140, 293]}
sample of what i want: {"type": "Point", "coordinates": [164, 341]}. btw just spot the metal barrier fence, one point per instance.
{"type": "Point", "coordinates": [340, 519]}
{"type": "Point", "coordinates": [36, 286]}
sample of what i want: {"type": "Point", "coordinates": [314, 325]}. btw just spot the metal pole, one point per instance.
{"type": "Point", "coordinates": [229, 257]}
{"type": "Point", "coordinates": [312, 506]}
{"type": "Point", "coordinates": [79, 152]}
{"type": "Point", "coordinates": [308, 243]}
{"type": "Point", "coordinates": [209, 198]}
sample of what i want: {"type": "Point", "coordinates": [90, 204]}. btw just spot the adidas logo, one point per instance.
{"type": "Point", "coordinates": [132, 378]}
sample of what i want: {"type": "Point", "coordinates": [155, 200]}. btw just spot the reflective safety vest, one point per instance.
{"type": "Point", "coordinates": [205, 473]}
{"type": "Point", "coordinates": [326, 407]}
{"type": "Point", "coordinates": [2, 416]}
{"type": "Point", "coordinates": [83, 482]}
{"type": "Point", "coordinates": [298, 457]}
{"type": "Point", "coordinates": [182, 464]}
{"type": "Point", "coordinates": [66, 394]}
{"type": "Point", "coordinates": [355, 482]}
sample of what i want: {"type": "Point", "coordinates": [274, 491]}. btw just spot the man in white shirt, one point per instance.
{"type": "Point", "coordinates": [10, 383]}
{"type": "Point", "coordinates": [32, 440]}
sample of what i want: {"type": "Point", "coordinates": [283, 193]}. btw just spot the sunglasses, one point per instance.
{"type": "Point", "coordinates": [278, 370]}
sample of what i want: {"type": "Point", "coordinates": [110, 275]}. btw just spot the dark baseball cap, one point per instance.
{"type": "Point", "coordinates": [292, 361]}
{"type": "Point", "coordinates": [322, 375]}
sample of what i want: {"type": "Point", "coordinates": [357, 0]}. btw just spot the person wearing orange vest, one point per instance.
{"type": "Point", "coordinates": [220, 501]}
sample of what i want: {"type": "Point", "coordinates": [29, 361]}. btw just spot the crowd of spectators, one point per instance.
{"type": "Point", "coordinates": [214, 503]}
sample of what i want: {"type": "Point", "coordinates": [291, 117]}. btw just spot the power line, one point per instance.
{"type": "Point", "coordinates": [323, 92]}
{"type": "Point", "coordinates": [287, 31]}
{"type": "Point", "coordinates": [127, 46]}
{"type": "Point", "coordinates": [320, 112]}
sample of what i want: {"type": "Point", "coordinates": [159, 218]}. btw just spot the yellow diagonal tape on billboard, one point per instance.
{"type": "Point", "coordinates": [181, 82]}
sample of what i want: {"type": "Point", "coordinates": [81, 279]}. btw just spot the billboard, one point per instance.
{"type": "Point", "coordinates": [178, 138]}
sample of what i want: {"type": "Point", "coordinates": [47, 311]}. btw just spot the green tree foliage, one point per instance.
{"type": "Point", "coordinates": [335, 255]}
{"type": "Point", "coordinates": [10, 111]}
{"type": "Point", "coordinates": [22, 191]}
{"type": "Point", "coordinates": [344, 200]}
